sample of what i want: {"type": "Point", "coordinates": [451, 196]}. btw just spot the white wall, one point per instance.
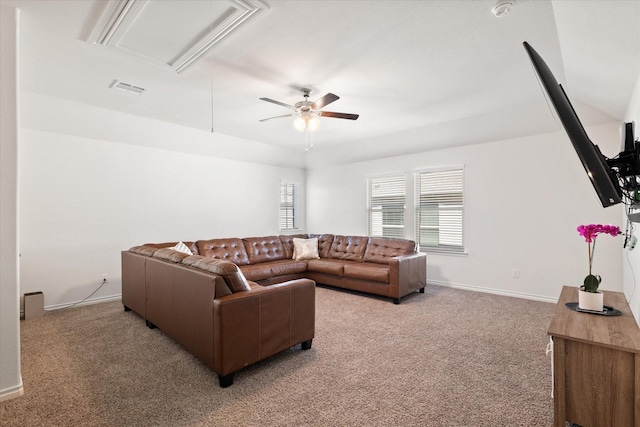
{"type": "Point", "coordinates": [524, 199]}
{"type": "Point", "coordinates": [85, 199]}
{"type": "Point", "coordinates": [10, 378]}
{"type": "Point", "coordinates": [72, 118]}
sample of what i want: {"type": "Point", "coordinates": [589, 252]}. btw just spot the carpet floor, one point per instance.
{"type": "Point", "coordinates": [447, 357]}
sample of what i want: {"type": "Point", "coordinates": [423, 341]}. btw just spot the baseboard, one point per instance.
{"type": "Point", "coordinates": [11, 393]}
{"type": "Point", "coordinates": [493, 291]}
{"type": "Point", "coordinates": [78, 304]}
{"type": "Point", "coordinates": [87, 302]}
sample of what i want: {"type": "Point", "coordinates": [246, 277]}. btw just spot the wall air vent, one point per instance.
{"type": "Point", "coordinates": [127, 87]}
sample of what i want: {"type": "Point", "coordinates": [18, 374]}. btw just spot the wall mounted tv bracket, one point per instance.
{"type": "Point", "coordinates": [626, 165]}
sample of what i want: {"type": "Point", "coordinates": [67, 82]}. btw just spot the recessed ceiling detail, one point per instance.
{"type": "Point", "coordinates": [176, 34]}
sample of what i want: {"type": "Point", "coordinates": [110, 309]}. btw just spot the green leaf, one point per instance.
{"type": "Point", "coordinates": [591, 283]}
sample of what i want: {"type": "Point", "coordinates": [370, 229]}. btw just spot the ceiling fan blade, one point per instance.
{"type": "Point", "coordinates": [276, 117]}
{"type": "Point", "coordinates": [325, 100]}
{"type": "Point", "coordinates": [273, 101]}
{"type": "Point", "coordinates": [339, 115]}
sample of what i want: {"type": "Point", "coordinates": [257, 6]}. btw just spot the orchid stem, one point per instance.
{"type": "Point", "coordinates": [591, 252]}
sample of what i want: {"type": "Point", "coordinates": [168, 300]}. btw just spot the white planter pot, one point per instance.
{"type": "Point", "coordinates": [590, 301]}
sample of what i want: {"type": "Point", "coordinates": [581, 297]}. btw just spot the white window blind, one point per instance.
{"type": "Point", "coordinates": [439, 211]}
{"type": "Point", "coordinates": [386, 205]}
{"type": "Point", "coordinates": [288, 206]}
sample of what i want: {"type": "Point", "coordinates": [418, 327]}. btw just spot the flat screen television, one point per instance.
{"type": "Point", "coordinates": [603, 177]}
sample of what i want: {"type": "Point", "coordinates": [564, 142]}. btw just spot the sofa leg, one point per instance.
{"type": "Point", "coordinates": [396, 300]}
{"type": "Point", "coordinates": [150, 325]}
{"type": "Point", "coordinates": [306, 345]}
{"type": "Point", "coordinates": [225, 380]}
{"type": "Point", "coordinates": [126, 308]}
{"type": "Point", "coordinates": [422, 290]}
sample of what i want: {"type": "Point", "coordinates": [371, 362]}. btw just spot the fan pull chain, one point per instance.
{"type": "Point", "coordinates": [308, 141]}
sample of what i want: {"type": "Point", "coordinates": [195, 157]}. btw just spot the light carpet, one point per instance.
{"type": "Point", "coordinates": [447, 357]}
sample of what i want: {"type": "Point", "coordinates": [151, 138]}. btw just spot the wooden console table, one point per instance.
{"type": "Point", "coordinates": [596, 359]}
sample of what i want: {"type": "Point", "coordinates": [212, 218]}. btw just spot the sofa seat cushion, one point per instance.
{"type": "Point", "coordinates": [287, 266]}
{"type": "Point", "coordinates": [231, 249]}
{"type": "Point", "coordinates": [367, 271]}
{"type": "Point", "coordinates": [334, 267]}
{"type": "Point", "coordinates": [256, 272]}
{"type": "Point", "coordinates": [267, 270]}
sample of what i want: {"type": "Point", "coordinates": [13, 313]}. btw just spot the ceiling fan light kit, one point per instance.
{"type": "Point", "coordinates": [307, 113]}
{"type": "Point", "coordinates": [307, 121]}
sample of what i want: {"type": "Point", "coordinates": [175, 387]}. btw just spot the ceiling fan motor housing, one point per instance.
{"type": "Point", "coordinates": [303, 106]}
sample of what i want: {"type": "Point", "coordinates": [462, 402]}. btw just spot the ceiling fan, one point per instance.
{"type": "Point", "coordinates": [307, 112]}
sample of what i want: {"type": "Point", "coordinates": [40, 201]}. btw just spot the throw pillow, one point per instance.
{"type": "Point", "coordinates": [181, 247]}
{"type": "Point", "coordinates": [305, 248]}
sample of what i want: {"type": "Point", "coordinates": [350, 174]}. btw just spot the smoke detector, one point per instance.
{"type": "Point", "coordinates": [502, 8]}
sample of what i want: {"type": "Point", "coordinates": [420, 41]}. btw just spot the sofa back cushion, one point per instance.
{"type": "Point", "coordinates": [191, 245]}
{"type": "Point", "coordinates": [263, 249]}
{"type": "Point", "coordinates": [231, 249]}
{"type": "Point", "coordinates": [228, 270]}
{"type": "Point", "coordinates": [287, 243]}
{"type": "Point", "coordinates": [324, 243]}
{"type": "Point", "coordinates": [380, 249]}
{"type": "Point", "coordinates": [170, 254]}
{"type": "Point", "coordinates": [143, 250]}
{"type": "Point", "coordinates": [350, 248]}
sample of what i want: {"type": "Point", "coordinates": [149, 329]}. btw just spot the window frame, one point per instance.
{"type": "Point", "coordinates": [400, 177]}
{"type": "Point", "coordinates": [458, 230]}
{"type": "Point", "coordinates": [288, 223]}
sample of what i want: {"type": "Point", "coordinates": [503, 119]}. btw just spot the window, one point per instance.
{"type": "Point", "coordinates": [288, 206]}
{"type": "Point", "coordinates": [386, 205]}
{"type": "Point", "coordinates": [439, 210]}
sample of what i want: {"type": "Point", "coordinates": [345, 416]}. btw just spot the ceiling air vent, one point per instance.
{"type": "Point", "coordinates": [128, 87]}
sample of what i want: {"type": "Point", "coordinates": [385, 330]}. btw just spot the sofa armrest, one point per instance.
{"type": "Point", "coordinates": [133, 281]}
{"type": "Point", "coordinates": [252, 325]}
{"type": "Point", "coordinates": [407, 273]}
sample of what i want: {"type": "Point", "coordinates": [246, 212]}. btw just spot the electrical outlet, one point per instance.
{"type": "Point", "coordinates": [515, 273]}
{"type": "Point", "coordinates": [104, 277]}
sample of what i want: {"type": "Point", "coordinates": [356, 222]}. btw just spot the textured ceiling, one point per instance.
{"type": "Point", "coordinates": [421, 74]}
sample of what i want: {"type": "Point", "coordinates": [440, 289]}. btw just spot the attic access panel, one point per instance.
{"type": "Point", "coordinates": [174, 34]}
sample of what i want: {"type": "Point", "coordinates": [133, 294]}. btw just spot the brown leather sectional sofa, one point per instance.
{"type": "Point", "coordinates": [209, 308]}
{"type": "Point", "coordinates": [376, 265]}
{"type": "Point", "coordinates": [236, 301]}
